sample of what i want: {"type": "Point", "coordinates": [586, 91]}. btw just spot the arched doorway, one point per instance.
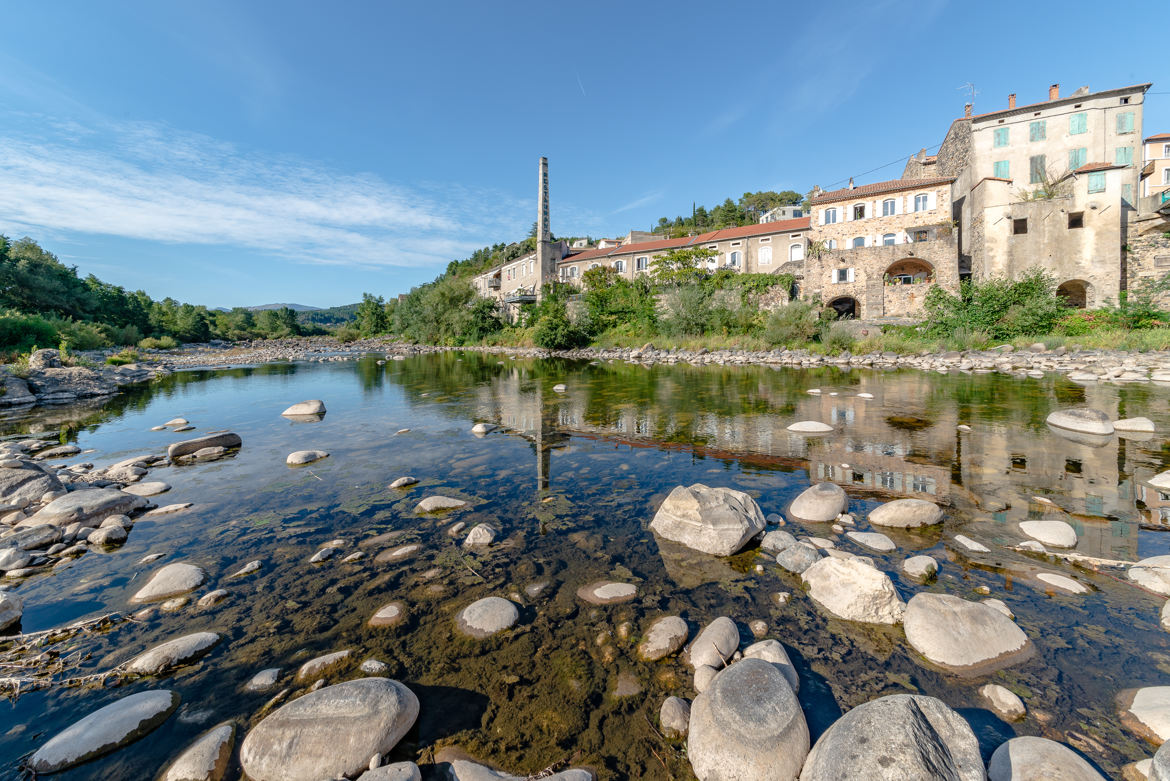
{"type": "Point", "coordinates": [845, 306]}
{"type": "Point", "coordinates": [909, 271]}
{"type": "Point", "coordinates": [1075, 293]}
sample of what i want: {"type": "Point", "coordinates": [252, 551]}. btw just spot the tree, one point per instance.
{"type": "Point", "coordinates": [371, 315]}
{"type": "Point", "coordinates": [757, 203]}
{"type": "Point", "coordinates": [682, 265]}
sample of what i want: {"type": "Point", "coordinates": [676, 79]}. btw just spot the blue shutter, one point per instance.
{"type": "Point", "coordinates": [1002, 169]}
{"type": "Point", "coordinates": [1124, 155]}
{"type": "Point", "coordinates": [1097, 182]}
{"type": "Point", "coordinates": [1077, 158]}
{"type": "Point", "coordinates": [1125, 122]}
{"type": "Point", "coordinates": [1001, 136]}
{"type": "Point", "coordinates": [1037, 131]}
{"type": "Point", "coordinates": [1078, 123]}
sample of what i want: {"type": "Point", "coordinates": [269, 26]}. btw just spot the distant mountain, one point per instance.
{"type": "Point", "coordinates": [294, 307]}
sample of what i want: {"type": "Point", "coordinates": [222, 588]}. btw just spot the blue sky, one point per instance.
{"type": "Point", "coordinates": [235, 153]}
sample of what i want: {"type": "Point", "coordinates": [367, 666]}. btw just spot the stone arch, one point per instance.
{"type": "Point", "coordinates": [909, 271]}
{"type": "Point", "coordinates": [1075, 293]}
{"type": "Point", "coordinates": [846, 307]}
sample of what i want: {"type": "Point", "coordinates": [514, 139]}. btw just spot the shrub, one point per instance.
{"type": "Point", "coordinates": [123, 358]}
{"type": "Point", "coordinates": [347, 333]}
{"type": "Point", "coordinates": [836, 337]}
{"type": "Point", "coordinates": [795, 323]}
{"type": "Point", "coordinates": [127, 335]}
{"type": "Point", "coordinates": [80, 335]}
{"type": "Point", "coordinates": [688, 311]}
{"type": "Point", "coordinates": [554, 331]}
{"type": "Point", "coordinates": [158, 343]}
{"type": "Point", "coordinates": [1000, 307]}
{"type": "Point", "coordinates": [21, 333]}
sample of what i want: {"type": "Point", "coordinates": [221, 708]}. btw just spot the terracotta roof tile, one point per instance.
{"type": "Point", "coordinates": [723, 234]}
{"type": "Point", "coordinates": [892, 186]}
{"type": "Point", "coordinates": [1091, 167]}
{"type": "Point", "coordinates": [1159, 137]}
{"type": "Point", "coordinates": [1065, 99]}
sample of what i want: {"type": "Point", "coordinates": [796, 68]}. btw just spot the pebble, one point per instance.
{"type": "Point", "coordinates": [486, 617]}
{"type": "Point", "coordinates": [604, 592]}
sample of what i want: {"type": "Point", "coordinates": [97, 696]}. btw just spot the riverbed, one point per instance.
{"type": "Point", "coordinates": [571, 480]}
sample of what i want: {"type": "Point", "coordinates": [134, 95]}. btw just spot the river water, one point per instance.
{"type": "Point", "coordinates": [571, 480]}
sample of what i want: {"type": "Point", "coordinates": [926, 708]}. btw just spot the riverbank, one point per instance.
{"type": "Point", "coordinates": [1036, 360]}
{"type": "Point", "coordinates": [46, 380]}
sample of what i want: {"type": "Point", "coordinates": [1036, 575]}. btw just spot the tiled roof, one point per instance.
{"type": "Point", "coordinates": [892, 186]}
{"type": "Point", "coordinates": [1159, 137]}
{"type": "Point", "coordinates": [723, 234]}
{"type": "Point", "coordinates": [1065, 99]}
{"type": "Point", "coordinates": [1091, 167]}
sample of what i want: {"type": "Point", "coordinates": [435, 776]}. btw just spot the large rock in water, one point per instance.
{"type": "Point", "coordinates": [1057, 534]}
{"type": "Point", "coordinates": [666, 636]}
{"type": "Point", "coordinates": [463, 770]}
{"type": "Point", "coordinates": [715, 644]}
{"type": "Point", "coordinates": [11, 609]}
{"type": "Point", "coordinates": [906, 514]}
{"type": "Point", "coordinates": [963, 636]}
{"type": "Point", "coordinates": [820, 503]}
{"type": "Point", "coordinates": [902, 737]}
{"type": "Point", "coordinates": [310, 407]}
{"type": "Point", "coordinates": [224, 439]}
{"type": "Point", "coordinates": [171, 581]}
{"type": "Point", "coordinates": [207, 758]}
{"type": "Point", "coordinates": [1160, 766]}
{"type": "Point", "coordinates": [1146, 711]}
{"type": "Point", "coordinates": [87, 507]}
{"type": "Point", "coordinates": [747, 725]}
{"type": "Point", "coordinates": [22, 485]}
{"type": "Point", "coordinates": [485, 617]}
{"type": "Point", "coordinates": [854, 590]}
{"type": "Point", "coordinates": [330, 732]}
{"type": "Point", "coordinates": [1152, 573]}
{"type": "Point", "coordinates": [718, 521]}
{"type": "Point", "coordinates": [1038, 759]}
{"type": "Point", "coordinates": [1082, 420]}
{"type": "Point", "coordinates": [173, 653]}
{"type": "Point", "coordinates": [106, 729]}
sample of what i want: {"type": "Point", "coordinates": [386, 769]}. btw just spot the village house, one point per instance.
{"type": "Point", "coordinates": [1156, 169]}
{"type": "Point", "coordinates": [879, 248]}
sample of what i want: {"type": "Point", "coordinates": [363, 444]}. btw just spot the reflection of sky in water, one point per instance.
{"type": "Point", "coordinates": [603, 454]}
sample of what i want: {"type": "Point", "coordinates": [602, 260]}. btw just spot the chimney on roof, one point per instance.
{"type": "Point", "coordinates": [922, 155]}
{"type": "Point", "coordinates": [1012, 100]}
{"type": "Point", "coordinates": [1054, 92]}
{"type": "Point", "coordinates": [966, 109]}
{"type": "Point", "coordinates": [850, 182]}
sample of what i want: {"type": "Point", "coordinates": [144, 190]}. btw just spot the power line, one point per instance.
{"type": "Point", "coordinates": [880, 167]}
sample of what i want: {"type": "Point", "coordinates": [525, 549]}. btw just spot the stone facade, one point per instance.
{"type": "Point", "coordinates": [1148, 250]}
{"type": "Point", "coordinates": [1156, 170]}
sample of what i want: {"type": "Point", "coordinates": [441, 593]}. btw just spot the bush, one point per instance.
{"type": "Point", "coordinates": [555, 332]}
{"type": "Point", "coordinates": [1000, 307]}
{"type": "Point", "coordinates": [127, 335]}
{"type": "Point", "coordinates": [347, 333]}
{"type": "Point", "coordinates": [80, 335]}
{"type": "Point", "coordinates": [836, 338]}
{"type": "Point", "coordinates": [793, 324]}
{"type": "Point", "coordinates": [123, 358]}
{"type": "Point", "coordinates": [20, 333]}
{"type": "Point", "coordinates": [688, 311]}
{"type": "Point", "coordinates": [158, 343]}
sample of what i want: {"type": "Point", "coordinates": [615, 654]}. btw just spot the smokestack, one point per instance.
{"type": "Point", "coordinates": [1054, 92]}
{"type": "Point", "coordinates": [850, 182]}
{"type": "Point", "coordinates": [967, 109]}
{"type": "Point", "coordinates": [1012, 100]}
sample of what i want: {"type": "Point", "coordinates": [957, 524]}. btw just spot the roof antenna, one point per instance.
{"type": "Point", "coordinates": [971, 91]}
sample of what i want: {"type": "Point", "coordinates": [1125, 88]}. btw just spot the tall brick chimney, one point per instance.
{"type": "Point", "coordinates": [1054, 92]}
{"type": "Point", "coordinates": [1012, 100]}
{"type": "Point", "coordinates": [966, 109]}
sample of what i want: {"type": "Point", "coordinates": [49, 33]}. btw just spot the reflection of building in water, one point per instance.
{"type": "Point", "coordinates": [879, 467]}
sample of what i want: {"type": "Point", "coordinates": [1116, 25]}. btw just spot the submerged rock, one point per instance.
{"type": "Point", "coordinates": [87, 507]}
{"type": "Point", "coordinates": [1003, 701]}
{"type": "Point", "coordinates": [853, 590]}
{"type": "Point", "coordinates": [921, 567]}
{"type": "Point", "coordinates": [900, 737]}
{"type": "Point", "coordinates": [1146, 711]}
{"type": "Point", "coordinates": [330, 732]}
{"type": "Point", "coordinates": [1082, 420]}
{"type": "Point", "coordinates": [207, 758]}
{"type": "Point", "coordinates": [798, 558]}
{"type": "Point", "coordinates": [963, 636]}
{"type": "Point", "coordinates": [263, 680]}
{"type": "Point", "coordinates": [1038, 759]}
{"type": "Point", "coordinates": [665, 637]}
{"type": "Point", "coordinates": [11, 610]}
{"type": "Point", "coordinates": [747, 725]}
{"type": "Point", "coordinates": [485, 617]}
{"type": "Point", "coordinates": [820, 503]}
{"type": "Point", "coordinates": [906, 514]}
{"type": "Point", "coordinates": [718, 521]}
{"type": "Point", "coordinates": [481, 534]}
{"type": "Point", "coordinates": [872, 540]}
{"type": "Point", "coordinates": [464, 770]}
{"type": "Point", "coordinates": [305, 408]}
{"type": "Point", "coordinates": [323, 665]}
{"type": "Point", "coordinates": [434, 504]}
{"type": "Point", "coordinates": [106, 729]}
{"type": "Point", "coordinates": [403, 482]}
{"type": "Point", "coordinates": [172, 580]}
{"type": "Point", "coordinates": [302, 457]}
{"type": "Point", "coordinates": [389, 615]}
{"type": "Point", "coordinates": [606, 592]}
{"type": "Point", "coordinates": [1057, 534]}
{"type": "Point", "coordinates": [173, 653]}
{"type": "Point", "coordinates": [675, 717]}
{"type": "Point", "coordinates": [227, 440]}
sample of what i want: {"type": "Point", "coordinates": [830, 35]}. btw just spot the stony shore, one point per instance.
{"type": "Point", "coordinates": [1036, 361]}
{"type": "Point", "coordinates": [50, 382]}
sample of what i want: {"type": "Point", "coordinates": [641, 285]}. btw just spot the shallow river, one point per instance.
{"type": "Point", "coordinates": [571, 481]}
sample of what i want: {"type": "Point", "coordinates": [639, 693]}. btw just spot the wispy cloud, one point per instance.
{"type": "Point", "coordinates": [151, 182]}
{"type": "Point", "coordinates": [638, 203]}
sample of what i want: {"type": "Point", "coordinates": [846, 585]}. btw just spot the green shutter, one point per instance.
{"type": "Point", "coordinates": [1097, 182]}
{"type": "Point", "coordinates": [1125, 122]}
{"type": "Point", "coordinates": [1001, 136]}
{"type": "Point", "coordinates": [1037, 131]}
{"type": "Point", "coordinates": [1037, 169]}
{"type": "Point", "coordinates": [1124, 155]}
{"type": "Point", "coordinates": [1127, 193]}
{"type": "Point", "coordinates": [1078, 123]}
{"type": "Point", "coordinates": [1002, 170]}
{"type": "Point", "coordinates": [1077, 158]}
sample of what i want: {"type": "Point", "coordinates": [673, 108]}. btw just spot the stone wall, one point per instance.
{"type": "Point", "coordinates": [1148, 256]}
{"type": "Point", "coordinates": [953, 160]}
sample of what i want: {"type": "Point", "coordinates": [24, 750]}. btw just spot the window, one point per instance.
{"type": "Point", "coordinates": [832, 244]}
{"type": "Point", "coordinates": [1076, 220]}
{"type": "Point", "coordinates": [766, 239]}
{"type": "Point", "coordinates": [1077, 158]}
{"type": "Point", "coordinates": [1166, 176]}
{"type": "Point", "coordinates": [1038, 130]}
{"type": "Point", "coordinates": [859, 211]}
{"type": "Point", "coordinates": [734, 257]}
{"type": "Point", "coordinates": [797, 213]}
{"type": "Point", "coordinates": [842, 275]}
{"type": "Point", "coordinates": [1127, 194]}
{"type": "Point", "coordinates": [736, 243]}
{"type": "Point", "coordinates": [921, 202]}
{"type": "Point", "coordinates": [888, 206]}
{"type": "Point", "coordinates": [1125, 122]}
{"type": "Point", "coordinates": [1002, 170]}
{"type": "Point", "coordinates": [1036, 169]}
{"type": "Point", "coordinates": [765, 255]}
{"type": "Point", "coordinates": [573, 271]}
{"type": "Point", "coordinates": [830, 216]}
{"type": "Point", "coordinates": [888, 240]}
{"type": "Point", "coordinates": [619, 266]}
{"type": "Point", "coordinates": [1001, 137]}
{"type": "Point", "coordinates": [1078, 123]}
{"type": "Point", "coordinates": [1020, 227]}
{"type": "Point", "coordinates": [1123, 155]}
{"type": "Point", "coordinates": [858, 242]}
{"type": "Point", "coordinates": [642, 263]}
{"type": "Point", "coordinates": [1097, 182]}
{"type": "Point", "coordinates": [796, 251]}
{"type": "Point", "coordinates": [1166, 150]}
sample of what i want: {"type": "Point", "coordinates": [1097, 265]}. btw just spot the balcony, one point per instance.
{"type": "Point", "coordinates": [494, 283]}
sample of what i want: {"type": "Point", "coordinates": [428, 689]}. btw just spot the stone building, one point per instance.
{"type": "Point", "coordinates": [879, 248]}
{"type": "Point", "coordinates": [1051, 184]}
{"type": "Point", "coordinates": [783, 213]}
{"type": "Point", "coordinates": [1156, 169]}
{"type": "Point", "coordinates": [755, 249]}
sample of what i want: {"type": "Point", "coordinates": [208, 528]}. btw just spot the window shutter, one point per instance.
{"type": "Point", "coordinates": [822, 219]}
{"type": "Point", "coordinates": [875, 209]}
{"type": "Point", "coordinates": [848, 210]}
{"type": "Point", "coordinates": [849, 278]}
{"type": "Point", "coordinates": [898, 205]}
